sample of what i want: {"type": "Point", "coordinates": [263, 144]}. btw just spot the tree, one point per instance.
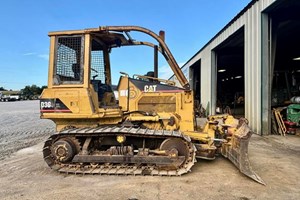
{"type": "Point", "coordinates": [32, 92]}
{"type": "Point", "coordinates": [2, 89]}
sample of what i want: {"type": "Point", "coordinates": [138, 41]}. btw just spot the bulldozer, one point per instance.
{"type": "Point", "coordinates": [150, 129]}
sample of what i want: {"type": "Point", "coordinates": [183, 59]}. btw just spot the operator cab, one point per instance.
{"type": "Point", "coordinates": [69, 63]}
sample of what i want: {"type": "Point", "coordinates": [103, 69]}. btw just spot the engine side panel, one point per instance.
{"type": "Point", "coordinates": [156, 98]}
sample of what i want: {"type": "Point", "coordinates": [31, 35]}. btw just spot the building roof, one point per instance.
{"type": "Point", "coordinates": [224, 28]}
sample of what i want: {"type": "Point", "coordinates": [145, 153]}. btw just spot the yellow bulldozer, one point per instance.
{"type": "Point", "coordinates": [149, 129]}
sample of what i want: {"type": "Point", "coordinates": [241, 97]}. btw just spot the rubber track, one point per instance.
{"type": "Point", "coordinates": [118, 169]}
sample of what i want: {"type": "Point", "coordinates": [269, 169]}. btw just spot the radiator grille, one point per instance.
{"type": "Point", "coordinates": [157, 104]}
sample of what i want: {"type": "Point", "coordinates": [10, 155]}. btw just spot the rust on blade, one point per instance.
{"type": "Point", "coordinates": [237, 151]}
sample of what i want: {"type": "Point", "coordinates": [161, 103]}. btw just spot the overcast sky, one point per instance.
{"type": "Point", "coordinates": [189, 24]}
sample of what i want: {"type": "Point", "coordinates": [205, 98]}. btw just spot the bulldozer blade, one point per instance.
{"type": "Point", "coordinates": [237, 151]}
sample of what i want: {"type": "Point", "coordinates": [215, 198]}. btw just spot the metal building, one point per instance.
{"type": "Point", "coordinates": [252, 64]}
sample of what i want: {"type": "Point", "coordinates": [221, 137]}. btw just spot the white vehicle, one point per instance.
{"type": "Point", "coordinates": [9, 97]}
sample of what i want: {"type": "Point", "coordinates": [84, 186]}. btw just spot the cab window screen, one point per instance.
{"type": "Point", "coordinates": [97, 65]}
{"type": "Point", "coordinates": [69, 60]}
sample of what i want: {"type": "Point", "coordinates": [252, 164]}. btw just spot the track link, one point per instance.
{"type": "Point", "coordinates": [118, 169]}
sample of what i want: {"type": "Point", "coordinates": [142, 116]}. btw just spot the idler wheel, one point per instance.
{"type": "Point", "coordinates": [175, 144]}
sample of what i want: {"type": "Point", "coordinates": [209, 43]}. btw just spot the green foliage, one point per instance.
{"type": "Point", "coordinates": [32, 92]}
{"type": "Point", "coordinates": [2, 89]}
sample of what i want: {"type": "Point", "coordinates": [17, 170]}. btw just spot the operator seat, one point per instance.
{"type": "Point", "coordinates": [106, 96]}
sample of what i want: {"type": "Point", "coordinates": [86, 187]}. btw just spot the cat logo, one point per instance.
{"type": "Point", "coordinates": [150, 88]}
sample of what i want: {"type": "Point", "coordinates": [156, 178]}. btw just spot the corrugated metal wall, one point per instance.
{"type": "Point", "coordinates": [251, 21]}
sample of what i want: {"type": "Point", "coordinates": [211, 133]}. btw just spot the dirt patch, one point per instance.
{"type": "Point", "coordinates": [24, 174]}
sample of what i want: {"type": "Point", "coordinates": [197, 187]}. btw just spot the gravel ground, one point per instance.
{"type": "Point", "coordinates": [24, 174]}
{"type": "Point", "coordinates": [21, 127]}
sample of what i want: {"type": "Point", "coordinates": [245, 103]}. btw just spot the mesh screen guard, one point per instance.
{"type": "Point", "coordinates": [97, 65]}
{"type": "Point", "coordinates": [69, 60]}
